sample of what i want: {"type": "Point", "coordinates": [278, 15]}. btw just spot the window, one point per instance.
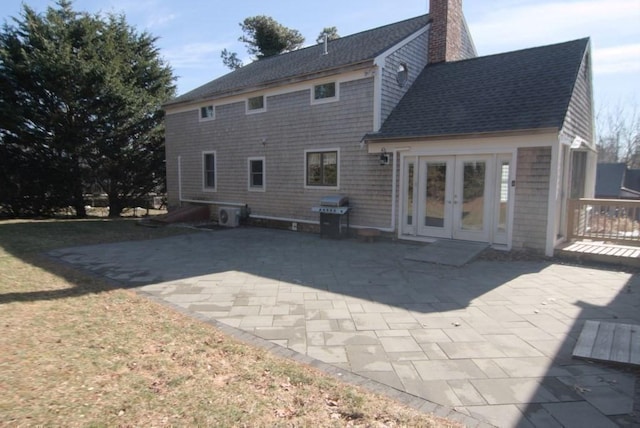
{"type": "Point", "coordinates": [206, 113]}
{"type": "Point", "coordinates": [578, 174]}
{"type": "Point", "coordinates": [255, 104]}
{"type": "Point", "coordinates": [402, 75]}
{"type": "Point", "coordinates": [209, 170]}
{"type": "Point", "coordinates": [322, 168]}
{"type": "Point", "coordinates": [325, 92]}
{"type": "Point", "coordinates": [257, 177]}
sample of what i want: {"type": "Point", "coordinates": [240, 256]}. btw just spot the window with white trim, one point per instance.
{"type": "Point", "coordinates": [325, 92]}
{"type": "Point", "coordinates": [321, 168]}
{"type": "Point", "coordinates": [209, 171]}
{"type": "Point", "coordinates": [257, 174]}
{"type": "Point", "coordinates": [207, 113]}
{"type": "Point", "coordinates": [256, 104]}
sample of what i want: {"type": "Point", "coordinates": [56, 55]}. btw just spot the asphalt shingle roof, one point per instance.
{"type": "Point", "coordinates": [345, 51]}
{"type": "Point", "coordinates": [521, 90]}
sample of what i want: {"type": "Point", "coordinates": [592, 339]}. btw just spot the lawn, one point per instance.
{"type": "Point", "coordinates": [74, 351]}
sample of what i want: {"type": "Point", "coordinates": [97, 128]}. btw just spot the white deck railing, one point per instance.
{"type": "Point", "coordinates": [609, 220]}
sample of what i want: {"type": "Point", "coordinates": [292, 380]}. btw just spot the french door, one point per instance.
{"type": "Point", "coordinates": [458, 197]}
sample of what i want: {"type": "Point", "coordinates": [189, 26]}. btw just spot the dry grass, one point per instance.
{"type": "Point", "coordinates": [75, 352]}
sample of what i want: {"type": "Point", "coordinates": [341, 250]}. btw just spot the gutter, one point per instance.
{"type": "Point", "coordinates": [372, 138]}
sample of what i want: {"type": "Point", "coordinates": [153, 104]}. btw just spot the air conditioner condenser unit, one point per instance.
{"type": "Point", "coordinates": [229, 216]}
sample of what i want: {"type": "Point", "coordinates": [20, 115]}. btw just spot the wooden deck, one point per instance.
{"type": "Point", "coordinates": [605, 341]}
{"type": "Point", "coordinates": [601, 252]}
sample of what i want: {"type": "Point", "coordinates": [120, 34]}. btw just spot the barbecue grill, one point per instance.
{"type": "Point", "coordinates": [334, 216]}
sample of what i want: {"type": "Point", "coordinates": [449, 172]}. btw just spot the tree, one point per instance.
{"type": "Point", "coordinates": [80, 99]}
{"type": "Point", "coordinates": [331, 33]}
{"type": "Point", "coordinates": [230, 59]}
{"type": "Point", "coordinates": [41, 94]}
{"type": "Point", "coordinates": [265, 37]}
{"type": "Point", "coordinates": [618, 137]}
{"type": "Point", "coordinates": [127, 159]}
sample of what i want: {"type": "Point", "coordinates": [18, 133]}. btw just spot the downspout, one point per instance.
{"type": "Point", "coordinates": [180, 179]}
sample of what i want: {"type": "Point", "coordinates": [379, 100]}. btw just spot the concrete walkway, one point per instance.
{"type": "Point", "coordinates": [491, 339]}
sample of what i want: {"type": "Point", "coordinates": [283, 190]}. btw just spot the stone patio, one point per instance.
{"type": "Point", "coordinates": [486, 343]}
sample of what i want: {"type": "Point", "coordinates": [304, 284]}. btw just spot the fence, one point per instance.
{"type": "Point", "coordinates": [610, 220]}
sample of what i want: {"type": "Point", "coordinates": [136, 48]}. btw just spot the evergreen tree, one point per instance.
{"type": "Point", "coordinates": [80, 99]}
{"type": "Point", "coordinates": [331, 33]}
{"type": "Point", "coordinates": [265, 37]}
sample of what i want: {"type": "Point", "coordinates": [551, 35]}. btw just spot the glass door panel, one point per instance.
{"type": "Point", "coordinates": [408, 200]}
{"type": "Point", "coordinates": [435, 194]}
{"type": "Point", "coordinates": [471, 194]}
{"type": "Point", "coordinates": [503, 180]}
{"type": "Point", "coordinates": [436, 177]}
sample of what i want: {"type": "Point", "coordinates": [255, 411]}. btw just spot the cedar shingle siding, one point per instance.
{"type": "Point", "coordinates": [290, 125]}
{"type": "Point", "coordinates": [579, 119]}
{"type": "Point", "coordinates": [531, 198]}
{"type": "Point", "coordinates": [414, 54]}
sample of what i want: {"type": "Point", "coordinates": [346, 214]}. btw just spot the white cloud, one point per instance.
{"type": "Point", "coordinates": [194, 55]}
{"type": "Point", "coordinates": [617, 59]}
{"type": "Point", "coordinates": [160, 19]}
{"type": "Point", "coordinates": [537, 23]}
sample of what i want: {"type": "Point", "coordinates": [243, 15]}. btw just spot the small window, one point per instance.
{"type": "Point", "coordinates": [209, 170]}
{"type": "Point", "coordinates": [325, 92]}
{"type": "Point", "coordinates": [402, 75]}
{"type": "Point", "coordinates": [256, 174]}
{"type": "Point", "coordinates": [255, 104]}
{"type": "Point", "coordinates": [322, 168]}
{"type": "Point", "coordinates": [206, 113]}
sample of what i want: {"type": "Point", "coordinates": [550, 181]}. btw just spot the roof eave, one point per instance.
{"type": "Point", "coordinates": [372, 138]}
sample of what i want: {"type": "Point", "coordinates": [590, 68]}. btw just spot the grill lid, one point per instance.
{"type": "Point", "coordinates": [334, 201]}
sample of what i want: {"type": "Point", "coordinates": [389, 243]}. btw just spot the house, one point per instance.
{"type": "Point", "coordinates": [478, 148]}
{"type": "Point", "coordinates": [616, 181]}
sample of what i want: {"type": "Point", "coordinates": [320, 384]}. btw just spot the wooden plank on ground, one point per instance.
{"type": "Point", "coordinates": [604, 340]}
{"type": "Point", "coordinates": [621, 346]}
{"type": "Point", "coordinates": [587, 338]}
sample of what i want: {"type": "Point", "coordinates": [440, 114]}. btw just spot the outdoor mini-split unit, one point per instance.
{"type": "Point", "coordinates": [229, 216]}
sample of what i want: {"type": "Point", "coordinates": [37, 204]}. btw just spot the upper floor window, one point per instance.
{"type": "Point", "coordinates": [322, 168]}
{"type": "Point", "coordinates": [325, 92]}
{"type": "Point", "coordinates": [256, 104]}
{"type": "Point", "coordinates": [209, 170]}
{"type": "Point", "coordinates": [207, 112]}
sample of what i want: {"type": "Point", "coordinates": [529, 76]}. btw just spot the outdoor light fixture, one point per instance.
{"type": "Point", "coordinates": [384, 157]}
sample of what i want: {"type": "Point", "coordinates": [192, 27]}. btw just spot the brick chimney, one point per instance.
{"type": "Point", "coordinates": [447, 25]}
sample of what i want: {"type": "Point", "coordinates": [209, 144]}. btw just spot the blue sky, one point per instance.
{"type": "Point", "coordinates": [193, 32]}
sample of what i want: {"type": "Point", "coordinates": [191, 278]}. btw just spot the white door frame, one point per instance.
{"type": "Point", "coordinates": [494, 185]}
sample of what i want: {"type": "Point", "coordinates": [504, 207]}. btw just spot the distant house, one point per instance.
{"type": "Point", "coordinates": [478, 148]}
{"type": "Point", "coordinates": [616, 181]}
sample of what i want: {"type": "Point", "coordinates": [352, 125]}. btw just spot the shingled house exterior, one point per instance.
{"type": "Point", "coordinates": [479, 148]}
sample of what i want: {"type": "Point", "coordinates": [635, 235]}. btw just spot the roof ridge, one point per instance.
{"type": "Point", "coordinates": [339, 39]}
{"type": "Point", "coordinates": [481, 57]}
{"type": "Point", "coordinates": [345, 51]}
